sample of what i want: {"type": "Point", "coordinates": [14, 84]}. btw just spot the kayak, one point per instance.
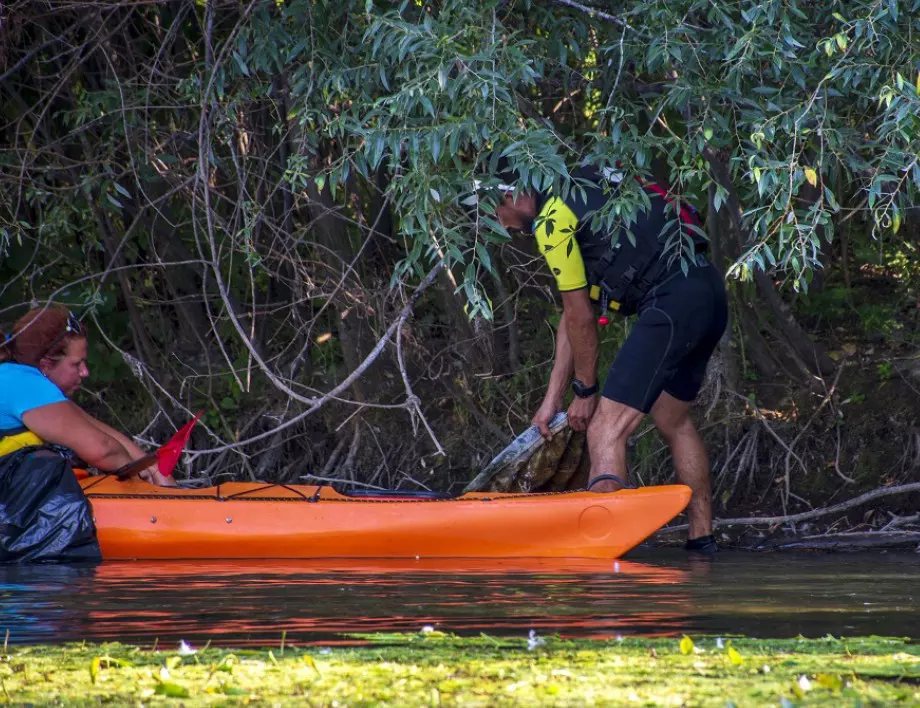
{"type": "Point", "coordinates": [137, 520]}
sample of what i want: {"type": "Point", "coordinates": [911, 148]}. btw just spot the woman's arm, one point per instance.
{"type": "Point", "coordinates": [65, 424]}
{"type": "Point", "coordinates": [125, 441]}
{"type": "Point", "coordinates": [151, 474]}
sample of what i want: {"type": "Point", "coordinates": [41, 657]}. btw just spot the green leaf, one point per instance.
{"type": "Point", "coordinates": [495, 226]}
{"type": "Point", "coordinates": [241, 63]}
{"type": "Point", "coordinates": [94, 667]}
{"type": "Point", "coordinates": [484, 256]}
{"type": "Point", "coordinates": [173, 690]}
{"type": "Point", "coordinates": [229, 690]}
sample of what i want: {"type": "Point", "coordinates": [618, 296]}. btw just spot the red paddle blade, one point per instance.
{"type": "Point", "coordinates": [168, 455]}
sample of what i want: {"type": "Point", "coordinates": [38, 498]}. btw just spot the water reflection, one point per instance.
{"type": "Point", "coordinates": [244, 603]}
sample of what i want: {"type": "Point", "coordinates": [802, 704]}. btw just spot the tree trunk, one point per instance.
{"type": "Point", "coordinates": [808, 351]}
{"type": "Point", "coordinates": [715, 225]}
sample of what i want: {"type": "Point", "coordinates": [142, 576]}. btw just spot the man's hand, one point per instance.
{"type": "Point", "coordinates": [581, 411]}
{"type": "Point", "coordinates": [545, 414]}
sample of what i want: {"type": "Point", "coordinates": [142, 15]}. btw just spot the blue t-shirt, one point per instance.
{"type": "Point", "coordinates": [23, 388]}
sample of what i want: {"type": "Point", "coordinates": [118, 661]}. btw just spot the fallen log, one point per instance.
{"type": "Point", "coordinates": [808, 515]}
{"type": "Point", "coordinates": [847, 541]}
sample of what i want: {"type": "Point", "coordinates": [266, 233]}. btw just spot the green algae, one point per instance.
{"type": "Point", "coordinates": [430, 668]}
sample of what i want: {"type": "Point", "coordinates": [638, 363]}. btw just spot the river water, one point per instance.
{"type": "Point", "coordinates": [650, 592]}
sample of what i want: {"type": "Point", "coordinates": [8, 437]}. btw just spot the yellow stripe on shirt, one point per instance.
{"type": "Point", "coordinates": [555, 229]}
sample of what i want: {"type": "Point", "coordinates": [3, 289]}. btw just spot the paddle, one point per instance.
{"type": "Point", "coordinates": [166, 457]}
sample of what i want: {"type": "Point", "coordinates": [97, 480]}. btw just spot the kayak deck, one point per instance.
{"type": "Point", "coordinates": [136, 520]}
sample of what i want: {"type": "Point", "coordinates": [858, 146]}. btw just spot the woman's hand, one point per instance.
{"type": "Point", "coordinates": [152, 474]}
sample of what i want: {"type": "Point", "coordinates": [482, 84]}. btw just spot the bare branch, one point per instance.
{"type": "Point", "coordinates": [369, 359]}
{"type": "Point", "coordinates": [595, 13]}
{"type": "Point", "coordinates": [808, 515]}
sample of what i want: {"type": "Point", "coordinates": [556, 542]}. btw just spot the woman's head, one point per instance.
{"type": "Point", "coordinates": [52, 340]}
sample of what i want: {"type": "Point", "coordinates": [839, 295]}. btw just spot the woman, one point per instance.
{"type": "Point", "coordinates": [42, 363]}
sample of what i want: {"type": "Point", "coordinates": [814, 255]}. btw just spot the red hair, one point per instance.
{"type": "Point", "coordinates": [40, 333]}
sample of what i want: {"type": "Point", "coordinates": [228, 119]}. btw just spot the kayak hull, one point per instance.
{"type": "Point", "coordinates": [135, 520]}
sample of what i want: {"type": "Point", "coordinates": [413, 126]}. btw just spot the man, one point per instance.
{"type": "Point", "coordinates": [660, 368]}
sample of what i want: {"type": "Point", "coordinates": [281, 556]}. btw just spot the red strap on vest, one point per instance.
{"type": "Point", "coordinates": [686, 215]}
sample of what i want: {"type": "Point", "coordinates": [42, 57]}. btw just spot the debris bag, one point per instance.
{"type": "Point", "coordinates": [533, 464]}
{"type": "Point", "coordinates": [44, 515]}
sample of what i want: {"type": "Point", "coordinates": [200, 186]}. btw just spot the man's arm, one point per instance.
{"type": "Point", "coordinates": [563, 365]}
{"type": "Point", "coordinates": [582, 335]}
{"type": "Point", "coordinates": [576, 352]}
{"type": "Point", "coordinates": [559, 380]}
{"type": "Point", "coordinates": [581, 329]}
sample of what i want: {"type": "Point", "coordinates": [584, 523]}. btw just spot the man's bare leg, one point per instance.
{"type": "Point", "coordinates": [610, 428]}
{"type": "Point", "coordinates": [672, 418]}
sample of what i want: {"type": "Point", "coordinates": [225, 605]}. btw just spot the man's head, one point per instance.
{"type": "Point", "coordinates": [517, 213]}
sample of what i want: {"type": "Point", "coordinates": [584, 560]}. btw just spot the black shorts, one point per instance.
{"type": "Point", "coordinates": [679, 326]}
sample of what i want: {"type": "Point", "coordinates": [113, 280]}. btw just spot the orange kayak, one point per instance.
{"type": "Point", "coordinates": [244, 520]}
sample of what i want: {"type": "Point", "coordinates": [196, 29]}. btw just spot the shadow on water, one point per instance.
{"type": "Point", "coordinates": [651, 593]}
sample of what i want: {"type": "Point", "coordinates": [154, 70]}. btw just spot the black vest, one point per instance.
{"type": "Point", "coordinates": [621, 268]}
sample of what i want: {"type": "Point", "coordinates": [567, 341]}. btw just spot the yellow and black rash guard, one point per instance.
{"type": "Point", "coordinates": [555, 230]}
{"type": "Point", "coordinates": [567, 241]}
{"type": "Point", "coordinates": [572, 248]}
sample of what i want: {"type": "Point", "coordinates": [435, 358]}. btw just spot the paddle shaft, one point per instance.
{"type": "Point", "coordinates": [132, 468]}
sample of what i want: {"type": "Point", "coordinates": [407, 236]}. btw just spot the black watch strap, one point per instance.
{"type": "Point", "coordinates": [583, 391]}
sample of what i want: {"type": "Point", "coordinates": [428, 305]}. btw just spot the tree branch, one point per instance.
{"type": "Point", "coordinates": [368, 360]}
{"type": "Point", "coordinates": [808, 515]}
{"type": "Point", "coordinates": [596, 13]}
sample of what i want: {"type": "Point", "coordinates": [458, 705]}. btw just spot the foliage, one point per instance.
{"type": "Point", "coordinates": [242, 198]}
{"type": "Point", "coordinates": [418, 669]}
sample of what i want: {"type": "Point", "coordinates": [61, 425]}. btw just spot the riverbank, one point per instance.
{"type": "Point", "coordinates": [430, 668]}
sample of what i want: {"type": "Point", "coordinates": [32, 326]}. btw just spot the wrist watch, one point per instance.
{"type": "Point", "coordinates": [583, 391]}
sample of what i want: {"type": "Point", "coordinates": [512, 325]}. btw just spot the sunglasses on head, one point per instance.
{"type": "Point", "coordinates": [71, 326]}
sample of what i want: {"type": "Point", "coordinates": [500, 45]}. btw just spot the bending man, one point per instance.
{"type": "Point", "coordinates": [660, 368]}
